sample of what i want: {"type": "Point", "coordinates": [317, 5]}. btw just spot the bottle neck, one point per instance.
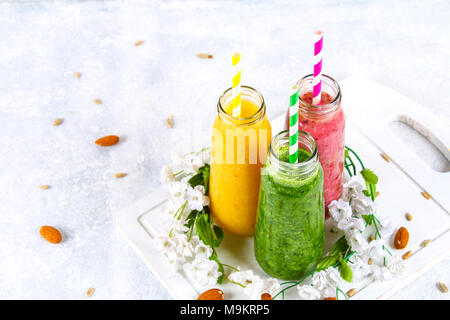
{"type": "Point", "coordinates": [247, 93]}
{"type": "Point", "coordinates": [300, 170]}
{"type": "Point", "coordinates": [328, 108]}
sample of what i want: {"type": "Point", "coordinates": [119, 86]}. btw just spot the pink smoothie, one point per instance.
{"type": "Point", "coordinates": [329, 136]}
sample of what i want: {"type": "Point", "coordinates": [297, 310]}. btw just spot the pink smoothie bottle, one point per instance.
{"type": "Point", "coordinates": [326, 124]}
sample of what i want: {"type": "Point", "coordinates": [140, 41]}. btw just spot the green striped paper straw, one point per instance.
{"type": "Point", "coordinates": [293, 124]}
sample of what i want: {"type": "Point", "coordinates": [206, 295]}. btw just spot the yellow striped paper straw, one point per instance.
{"type": "Point", "coordinates": [236, 91]}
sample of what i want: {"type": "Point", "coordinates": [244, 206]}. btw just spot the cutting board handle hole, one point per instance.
{"type": "Point", "coordinates": [422, 142]}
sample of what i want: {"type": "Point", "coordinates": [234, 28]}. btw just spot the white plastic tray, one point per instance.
{"type": "Point", "coordinates": [401, 182]}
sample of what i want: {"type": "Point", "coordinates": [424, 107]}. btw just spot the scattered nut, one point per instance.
{"type": "Point", "coordinates": [138, 43]}
{"type": "Point", "coordinates": [371, 238]}
{"type": "Point", "coordinates": [120, 175]}
{"type": "Point", "coordinates": [211, 294]}
{"type": "Point", "coordinates": [44, 187]}
{"type": "Point", "coordinates": [90, 292]}
{"type": "Point", "coordinates": [351, 292]}
{"type": "Point", "coordinates": [426, 242]}
{"type": "Point", "coordinates": [97, 101]}
{"type": "Point", "coordinates": [377, 194]}
{"type": "Point", "coordinates": [386, 157]}
{"type": "Point", "coordinates": [77, 75]}
{"type": "Point", "coordinates": [170, 122]}
{"type": "Point", "coordinates": [266, 296]}
{"type": "Point", "coordinates": [57, 122]}
{"type": "Point", "coordinates": [409, 216]}
{"type": "Point", "coordinates": [401, 238]}
{"type": "Point", "coordinates": [107, 141]}
{"type": "Point", "coordinates": [204, 56]}
{"type": "Point", "coordinates": [426, 195]}
{"type": "Point", "coordinates": [50, 234]}
{"type": "Point", "coordinates": [407, 255]}
{"type": "Point", "coordinates": [369, 261]}
{"type": "Point", "coordinates": [330, 298]}
{"type": "Point", "coordinates": [442, 287]}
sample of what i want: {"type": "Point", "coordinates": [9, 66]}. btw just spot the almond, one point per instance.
{"type": "Point", "coordinates": [409, 216]}
{"type": "Point", "coordinates": [266, 296]}
{"type": "Point", "coordinates": [330, 298]}
{"type": "Point", "coordinates": [50, 234]}
{"type": "Point", "coordinates": [211, 294]}
{"type": "Point", "coordinates": [401, 238]}
{"type": "Point", "coordinates": [97, 101]}
{"type": "Point", "coordinates": [107, 141]}
{"type": "Point", "coordinates": [77, 75]}
{"type": "Point", "coordinates": [138, 43]}
{"type": "Point", "coordinates": [44, 187]}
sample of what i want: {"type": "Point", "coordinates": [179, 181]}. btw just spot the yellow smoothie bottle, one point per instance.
{"type": "Point", "coordinates": [238, 151]}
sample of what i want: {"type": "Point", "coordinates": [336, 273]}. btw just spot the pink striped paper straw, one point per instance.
{"type": "Point", "coordinates": [317, 79]}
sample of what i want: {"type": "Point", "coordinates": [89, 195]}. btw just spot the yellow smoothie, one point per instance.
{"type": "Point", "coordinates": [238, 151]}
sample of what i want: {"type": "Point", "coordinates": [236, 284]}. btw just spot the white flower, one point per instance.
{"type": "Point", "coordinates": [243, 277]}
{"type": "Point", "coordinates": [326, 281]}
{"type": "Point", "coordinates": [360, 267]}
{"type": "Point", "coordinates": [254, 285]}
{"type": "Point", "coordinates": [339, 209]}
{"type": "Point", "coordinates": [395, 265]}
{"type": "Point", "coordinates": [167, 176]}
{"type": "Point", "coordinates": [350, 224]}
{"type": "Point", "coordinates": [189, 163]}
{"type": "Point", "coordinates": [203, 251]}
{"type": "Point", "coordinates": [375, 249]}
{"type": "Point", "coordinates": [196, 198]}
{"type": "Point", "coordinates": [356, 240]}
{"type": "Point", "coordinates": [362, 205]}
{"type": "Point", "coordinates": [380, 273]}
{"type": "Point", "coordinates": [353, 188]}
{"type": "Point", "coordinates": [182, 246]}
{"type": "Point", "coordinates": [168, 246]}
{"type": "Point", "coordinates": [387, 227]}
{"type": "Point", "coordinates": [204, 271]}
{"type": "Point", "coordinates": [307, 292]}
{"type": "Point", "coordinates": [271, 286]}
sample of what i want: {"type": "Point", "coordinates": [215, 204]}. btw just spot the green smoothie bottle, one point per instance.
{"type": "Point", "coordinates": [289, 235]}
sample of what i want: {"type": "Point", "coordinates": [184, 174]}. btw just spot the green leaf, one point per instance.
{"type": "Point", "coordinates": [217, 235]}
{"type": "Point", "coordinates": [203, 229]}
{"type": "Point", "coordinates": [340, 247]}
{"type": "Point", "coordinates": [367, 218]}
{"type": "Point", "coordinates": [345, 271]}
{"type": "Point", "coordinates": [366, 193]}
{"type": "Point", "coordinates": [196, 180]}
{"type": "Point", "coordinates": [190, 220]}
{"type": "Point", "coordinates": [369, 176]}
{"type": "Point", "coordinates": [210, 234]}
{"type": "Point", "coordinates": [201, 178]}
{"type": "Point", "coordinates": [215, 258]}
{"type": "Point", "coordinates": [346, 154]}
{"type": "Point", "coordinates": [327, 262]}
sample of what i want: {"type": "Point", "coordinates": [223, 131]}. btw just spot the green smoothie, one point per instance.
{"type": "Point", "coordinates": [289, 234]}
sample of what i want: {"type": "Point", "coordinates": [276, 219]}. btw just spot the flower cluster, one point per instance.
{"type": "Point", "coordinates": [186, 252]}
{"type": "Point", "coordinates": [350, 214]}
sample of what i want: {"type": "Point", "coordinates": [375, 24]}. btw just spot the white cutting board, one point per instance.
{"type": "Point", "coordinates": [400, 184]}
